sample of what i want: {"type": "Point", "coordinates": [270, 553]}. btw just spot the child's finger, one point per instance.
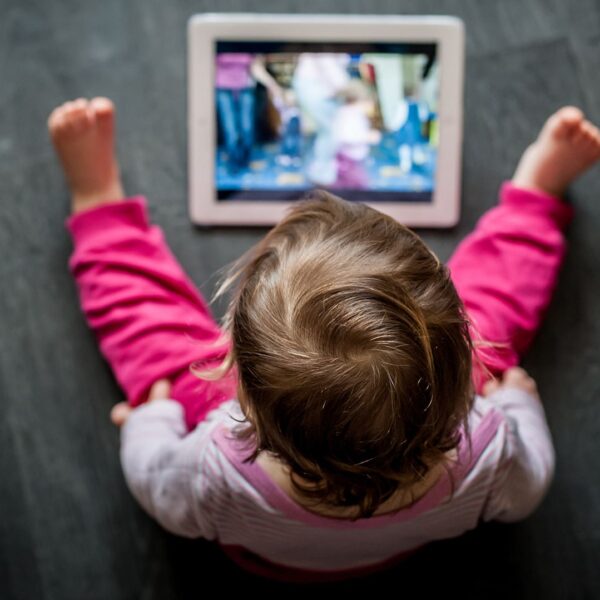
{"type": "Point", "coordinates": [519, 378]}
{"type": "Point", "coordinates": [489, 387]}
{"type": "Point", "coordinates": [516, 375]}
{"type": "Point", "coordinates": [160, 390]}
{"type": "Point", "coordinates": [120, 413]}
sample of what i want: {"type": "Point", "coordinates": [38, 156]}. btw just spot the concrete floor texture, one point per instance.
{"type": "Point", "coordinates": [69, 528]}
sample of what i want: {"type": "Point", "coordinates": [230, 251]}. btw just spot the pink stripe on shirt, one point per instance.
{"type": "Point", "coordinates": [192, 487]}
{"type": "Point", "coordinates": [259, 479]}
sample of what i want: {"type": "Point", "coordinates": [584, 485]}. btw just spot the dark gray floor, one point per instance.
{"type": "Point", "coordinates": [68, 527]}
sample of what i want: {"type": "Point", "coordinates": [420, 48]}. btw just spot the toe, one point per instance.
{"type": "Point", "coordinates": [570, 115]}
{"type": "Point", "coordinates": [103, 110]}
{"type": "Point", "coordinates": [596, 138]}
{"type": "Point", "coordinates": [76, 111]}
{"type": "Point", "coordinates": [564, 122]}
{"type": "Point", "coordinates": [102, 101]}
{"type": "Point", "coordinates": [58, 123]}
{"type": "Point", "coordinates": [587, 137]}
{"type": "Point", "coordinates": [592, 131]}
{"type": "Point", "coordinates": [54, 118]}
{"type": "Point", "coordinates": [103, 107]}
{"type": "Point", "coordinates": [78, 118]}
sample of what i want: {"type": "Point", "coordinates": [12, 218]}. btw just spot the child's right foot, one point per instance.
{"type": "Point", "coordinates": [567, 146]}
{"type": "Point", "coordinates": [82, 133]}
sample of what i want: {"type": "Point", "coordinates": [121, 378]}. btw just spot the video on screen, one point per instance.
{"type": "Point", "coordinates": [360, 120]}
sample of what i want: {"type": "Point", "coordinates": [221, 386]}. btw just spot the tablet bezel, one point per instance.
{"type": "Point", "coordinates": [204, 30]}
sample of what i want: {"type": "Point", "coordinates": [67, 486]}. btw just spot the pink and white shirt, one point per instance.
{"type": "Point", "coordinates": [197, 485]}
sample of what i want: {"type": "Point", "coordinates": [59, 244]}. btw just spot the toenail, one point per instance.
{"type": "Point", "coordinates": [102, 102]}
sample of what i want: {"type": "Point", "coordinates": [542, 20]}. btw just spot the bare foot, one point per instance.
{"type": "Point", "coordinates": [567, 146]}
{"type": "Point", "coordinates": [82, 134]}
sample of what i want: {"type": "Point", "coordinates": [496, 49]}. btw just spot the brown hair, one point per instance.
{"type": "Point", "coordinates": [353, 352]}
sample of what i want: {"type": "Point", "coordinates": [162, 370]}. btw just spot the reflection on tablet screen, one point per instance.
{"type": "Point", "coordinates": [359, 119]}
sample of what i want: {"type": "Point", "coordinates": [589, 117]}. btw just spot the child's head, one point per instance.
{"type": "Point", "coordinates": [352, 350]}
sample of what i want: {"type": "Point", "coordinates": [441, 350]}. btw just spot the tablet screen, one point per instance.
{"type": "Point", "coordinates": [359, 119]}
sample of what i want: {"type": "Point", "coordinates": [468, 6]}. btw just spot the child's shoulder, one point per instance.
{"type": "Point", "coordinates": [228, 414]}
{"type": "Point", "coordinates": [206, 440]}
{"type": "Point", "coordinates": [482, 409]}
{"type": "Point", "coordinates": [520, 425]}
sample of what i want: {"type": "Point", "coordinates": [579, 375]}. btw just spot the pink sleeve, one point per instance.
{"type": "Point", "coordinates": [507, 269]}
{"type": "Point", "coordinates": [149, 319]}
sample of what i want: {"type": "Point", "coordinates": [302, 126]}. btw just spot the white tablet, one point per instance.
{"type": "Point", "coordinates": [366, 107]}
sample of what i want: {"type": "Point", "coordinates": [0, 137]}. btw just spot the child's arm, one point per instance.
{"type": "Point", "coordinates": [527, 462]}
{"type": "Point", "coordinates": [506, 271]}
{"type": "Point", "coordinates": [167, 470]}
{"type": "Point", "coordinates": [148, 317]}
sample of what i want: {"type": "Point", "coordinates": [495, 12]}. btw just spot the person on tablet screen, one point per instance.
{"type": "Point", "coordinates": [354, 135]}
{"type": "Point", "coordinates": [236, 77]}
{"type": "Point", "coordinates": [290, 129]}
{"type": "Point", "coordinates": [317, 79]}
{"type": "Point", "coordinates": [360, 398]}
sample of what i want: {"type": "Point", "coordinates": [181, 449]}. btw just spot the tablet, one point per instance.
{"type": "Point", "coordinates": [366, 107]}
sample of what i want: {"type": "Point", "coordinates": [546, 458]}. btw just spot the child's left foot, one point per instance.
{"type": "Point", "coordinates": [82, 134]}
{"type": "Point", "coordinates": [567, 146]}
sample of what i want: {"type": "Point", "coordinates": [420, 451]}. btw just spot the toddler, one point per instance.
{"type": "Point", "coordinates": [361, 399]}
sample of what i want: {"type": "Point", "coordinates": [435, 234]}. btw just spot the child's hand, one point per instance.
{"type": "Point", "coordinates": [514, 377]}
{"type": "Point", "coordinates": [120, 412]}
